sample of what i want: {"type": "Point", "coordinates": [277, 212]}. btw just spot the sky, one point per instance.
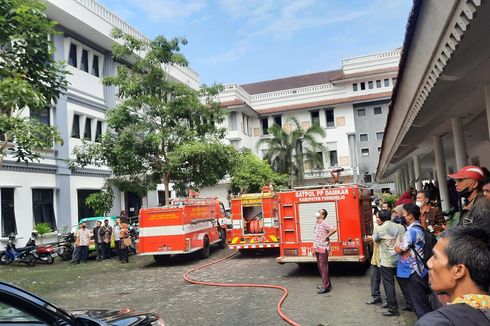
{"type": "Point", "coordinates": [245, 41]}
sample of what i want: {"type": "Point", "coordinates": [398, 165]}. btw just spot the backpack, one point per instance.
{"type": "Point", "coordinates": [430, 241]}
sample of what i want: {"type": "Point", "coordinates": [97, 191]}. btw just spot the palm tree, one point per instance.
{"type": "Point", "coordinates": [286, 151]}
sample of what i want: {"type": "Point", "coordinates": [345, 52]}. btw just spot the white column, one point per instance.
{"type": "Point", "coordinates": [411, 177]}
{"type": "Point", "coordinates": [418, 173]}
{"type": "Point", "coordinates": [459, 143]}
{"type": "Point", "coordinates": [434, 172]}
{"type": "Point", "coordinates": [487, 104]}
{"type": "Point", "coordinates": [406, 178]}
{"type": "Point", "coordinates": [441, 171]}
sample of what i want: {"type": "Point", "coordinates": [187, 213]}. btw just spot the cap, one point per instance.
{"type": "Point", "coordinates": [398, 209]}
{"type": "Point", "coordinates": [469, 172]}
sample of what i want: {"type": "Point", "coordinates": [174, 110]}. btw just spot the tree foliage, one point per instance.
{"type": "Point", "coordinates": [163, 130]}
{"type": "Point", "coordinates": [287, 151]}
{"type": "Point", "coordinates": [29, 78]}
{"type": "Point", "coordinates": [101, 201]}
{"type": "Point", "coordinates": [250, 174]}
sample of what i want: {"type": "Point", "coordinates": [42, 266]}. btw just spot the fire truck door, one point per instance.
{"type": "Point", "coordinates": [307, 219]}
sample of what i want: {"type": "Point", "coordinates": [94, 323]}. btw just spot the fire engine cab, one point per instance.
{"type": "Point", "coordinates": [186, 225]}
{"type": "Point", "coordinates": [348, 208]}
{"type": "Point", "coordinates": [254, 219]}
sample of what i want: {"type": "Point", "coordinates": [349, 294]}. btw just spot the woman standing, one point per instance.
{"type": "Point", "coordinates": [124, 243]}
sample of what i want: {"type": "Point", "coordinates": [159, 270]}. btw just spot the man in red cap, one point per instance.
{"type": "Point", "coordinates": [476, 209]}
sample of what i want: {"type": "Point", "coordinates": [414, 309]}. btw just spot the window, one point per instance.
{"type": "Point", "coordinates": [83, 209]}
{"type": "Point", "coordinates": [370, 84]}
{"type": "Point", "coordinates": [161, 198]}
{"type": "Point", "coordinates": [361, 112]}
{"type": "Point", "coordinates": [42, 206]}
{"type": "Point", "coordinates": [379, 150]}
{"type": "Point", "coordinates": [368, 178]}
{"type": "Point", "coordinates": [232, 121]}
{"type": "Point", "coordinates": [363, 86]}
{"type": "Point", "coordinates": [264, 122]}
{"type": "Point", "coordinates": [378, 83]}
{"type": "Point", "coordinates": [365, 151]}
{"type": "Point", "coordinates": [75, 129]}
{"type": "Point", "coordinates": [333, 158]}
{"type": "Point", "coordinates": [354, 87]}
{"type": "Point", "coordinates": [330, 118]}
{"type": "Point", "coordinates": [379, 135]}
{"type": "Point", "coordinates": [15, 313]}
{"type": "Point", "coordinates": [363, 137]}
{"type": "Point", "coordinates": [8, 211]}
{"type": "Point", "coordinates": [95, 66]}
{"type": "Point", "coordinates": [393, 81]}
{"type": "Point", "coordinates": [278, 120]}
{"type": "Point", "coordinates": [72, 57]}
{"type": "Point", "coordinates": [42, 115]}
{"type": "Point", "coordinates": [98, 131]}
{"type": "Point", "coordinates": [387, 82]}
{"type": "Point", "coordinates": [87, 133]}
{"type": "Point", "coordinates": [319, 161]}
{"type": "Point", "coordinates": [315, 117]}
{"type": "Point", "coordinates": [84, 61]}
{"type": "Point", "coordinates": [378, 110]}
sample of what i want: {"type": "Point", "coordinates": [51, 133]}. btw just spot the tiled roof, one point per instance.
{"type": "Point", "coordinates": [358, 98]}
{"type": "Point", "coordinates": [232, 103]}
{"type": "Point", "coordinates": [366, 73]}
{"type": "Point", "coordinates": [267, 86]}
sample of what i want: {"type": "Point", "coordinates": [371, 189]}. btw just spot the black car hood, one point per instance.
{"type": "Point", "coordinates": [119, 317]}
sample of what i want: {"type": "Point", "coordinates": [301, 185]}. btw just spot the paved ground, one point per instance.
{"type": "Point", "coordinates": [145, 286]}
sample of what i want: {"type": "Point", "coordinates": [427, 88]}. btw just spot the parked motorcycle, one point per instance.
{"type": "Point", "coordinates": [44, 253]}
{"type": "Point", "coordinates": [24, 255]}
{"type": "Point", "coordinates": [66, 245]}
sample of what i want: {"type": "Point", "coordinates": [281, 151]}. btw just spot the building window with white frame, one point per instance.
{"type": "Point", "coordinates": [75, 128]}
{"type": "Point", "coordinates": [278, 120]}
{"type": "Point", "coordinates": [43, 207]}
{"type": "Point", "coordinates": [333, 158]}
{"type": "Point", "coordinates": [98, 132]}
{"type": "Point", "coordinates": [84, 61]}
{"type": "Point", "coordinates": [232, 122]}
{"type": "Point", "coordinates": [87, 133]}
{"type": "Point", "coordinates": [354, 87]}
{"type": "Point", "coordinates": [329, 114]}
{"type": "Point", "coordinates": [72, 56]}
{"type": "Point", "coordinates": [315, 117]}
{"type": "Point", "coordinates": [378, 110]}
{"type": "Point", "coordinates": [379, 135]}
{"type": "Point", "coordinates": [365, 151]}
{"type": "Point", "coordinates": [95, 66]}
{"type": "Point", "coordinates": [378, 83]}
{"type": "Point", "coordinates": [370, 84]}
{"type": "Point", "coordinates": [387, 82]}
{"type": "Point", "coordinates": [7, 211]}
{"type": "Point", "coordinates": [361, 112]}
{"type": "Point", "coordinates": [363, 137]}
{"type": "Point", "coordinates": [264, 122]}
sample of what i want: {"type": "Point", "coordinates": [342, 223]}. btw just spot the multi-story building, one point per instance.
{"type": "Point", "coordinates": [47, 191]}
{"type": "Point", "coordinates": [351, 103]}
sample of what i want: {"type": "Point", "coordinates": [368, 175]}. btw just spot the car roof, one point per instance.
{"type": "Point", "coordinates": [97, 218]}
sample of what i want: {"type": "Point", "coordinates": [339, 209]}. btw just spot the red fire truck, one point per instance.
{"type": "Point", "coordinates": [349, 209]}
{"type": "Point", "coordinates": [187, 225]}
{"type": "Point", "coordinates": [254, 219]}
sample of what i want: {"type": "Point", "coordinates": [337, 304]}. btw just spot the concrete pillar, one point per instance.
{"type": "Point", "coordinates": [351, 138]}
{"type": "Point", "coordinates": [417, 172]}
{"type": "Point", "coordinates": [109, 70]}
{"type": "Point", "coordinates": [459, 143]}
{"type": "Point", "coordinates": [411, 177]}
{"type": "Point", "coordinates": [406, 179]}
{"type": "Point", "coordinates": [441, 171]}
{"type": "Point", "coordinates": [487, 104]}
{"type": "Point", "coordinates": [434, 173]}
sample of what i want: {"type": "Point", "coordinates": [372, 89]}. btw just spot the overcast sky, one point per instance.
{"type": "Point", "coordinates": [243, 41]}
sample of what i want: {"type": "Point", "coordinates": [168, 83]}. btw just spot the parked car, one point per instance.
{"type": "Point", "coordinates": [21, 307]}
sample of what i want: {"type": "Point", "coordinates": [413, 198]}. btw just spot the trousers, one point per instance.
{"type": "Point", "coordinates": [375, 281]}
{"type": "Point", "coordinates": [388, 277]}
{"type": "Point", "coordinates": [322, 261]}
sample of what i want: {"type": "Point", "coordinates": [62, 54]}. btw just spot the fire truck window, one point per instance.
{"type": "Point", "coordinates": [253, 219]}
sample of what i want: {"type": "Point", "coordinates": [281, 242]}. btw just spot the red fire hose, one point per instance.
{"type": "Point", "coordinates": [269, 286]}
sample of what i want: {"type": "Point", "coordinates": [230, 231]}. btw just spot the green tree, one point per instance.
{"type": "Point", "coordinates": [163, 130]}
{"type": "Point", "coordinates": [287, 151]}
{"type": "Point", "coordinates": [30, 79]}
{"type": "Point", "coordinates": [101, 201]}
{"type": "Point", "coordinates": [250, 174]}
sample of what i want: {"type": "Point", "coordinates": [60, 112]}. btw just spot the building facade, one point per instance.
{"type": "Point", "coordinates": [47, 191]}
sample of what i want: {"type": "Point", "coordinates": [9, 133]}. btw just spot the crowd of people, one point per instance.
{"type": "Point", "coordinates": [441, 261]}
{"type": "Point", "coordinates": [442, 268]}
{"type": "Point", "coordinates": [103, 236]}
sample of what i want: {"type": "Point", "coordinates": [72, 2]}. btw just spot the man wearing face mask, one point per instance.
{"type": "Point", "coordinates": [430, 217]}
{"type": "Point", "coordinates": [321, 246]}
{"type": "Point", "coordinates": [476, 209]}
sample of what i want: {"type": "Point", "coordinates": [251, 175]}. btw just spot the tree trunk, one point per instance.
{"type": "Point", "coordinates": [166, 181]}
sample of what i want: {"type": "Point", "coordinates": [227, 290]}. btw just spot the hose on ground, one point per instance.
{"type": "Point", "coordinates": [268, 286]}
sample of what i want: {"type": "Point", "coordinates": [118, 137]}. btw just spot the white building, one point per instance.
{"type": "Point", "coordinates": [47, 191]}
{"type": "Point", "coordinates": [351, 103]}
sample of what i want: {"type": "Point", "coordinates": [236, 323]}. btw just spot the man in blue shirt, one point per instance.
{"type": "Point", "coordinates": [409, 266]}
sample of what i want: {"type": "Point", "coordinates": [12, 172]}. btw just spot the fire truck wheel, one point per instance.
{"type": "Point", "coordinates": [222, 236]}
{"type": "Point", "coordinates": [162, 259]}
{"type": "Point", "coordinates": [204, 252]}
